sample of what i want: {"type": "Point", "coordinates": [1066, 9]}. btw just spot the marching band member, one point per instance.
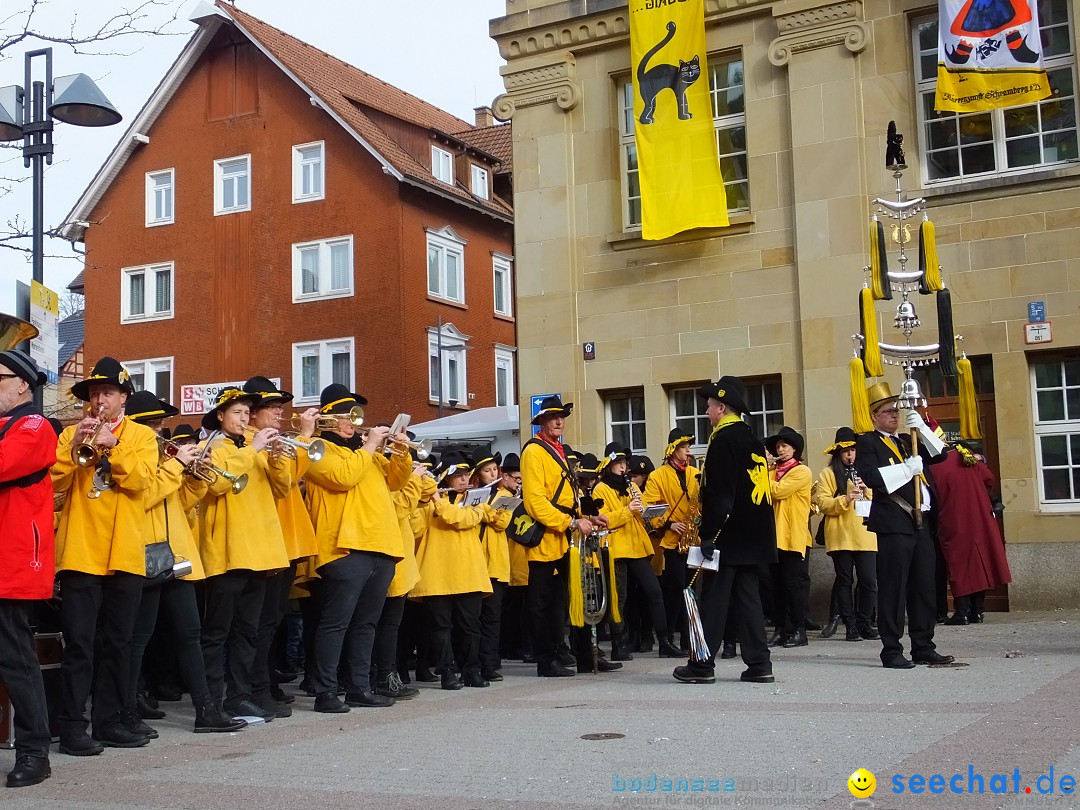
{"type": "Point", "coordinates": [241, 544]}
{"type": "Point", "coordinates": [27, 450]}
{"type": "Point", "coordinates": [515, 632]}
{"type": "Point", "coordinates": [485, 473]}
{"type": "Point", "coordinates": [100, 557]}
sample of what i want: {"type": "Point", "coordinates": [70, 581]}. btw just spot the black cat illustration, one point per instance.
{"type": "Point", "coordinates": [675, 78]}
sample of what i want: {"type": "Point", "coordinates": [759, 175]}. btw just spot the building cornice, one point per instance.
{"type": "Point", "coordinates": [807, 26]}
{"type": "Point", "coordinates": [551, 78]}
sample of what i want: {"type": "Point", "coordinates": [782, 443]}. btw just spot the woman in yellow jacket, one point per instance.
{"type": "Point", "coordinates": [852, 547]}
{"type": "Point", "coordinates": [791, 484]}
{"type": "Point", "coordinates": [453, 574]}
{"type": "Point", "coordinates": [516, 632]}
{"type": "Point", "coordinates": [631, 550]}
{"type": "Point", "coordinates": [485, 473]}
{"type": "Point", "coordinates": [240, 545]}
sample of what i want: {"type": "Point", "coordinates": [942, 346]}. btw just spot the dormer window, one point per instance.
{"type": "Point", "coordinates": [442, 165]}
{"type": "Point", "coordinates": [480, 179]}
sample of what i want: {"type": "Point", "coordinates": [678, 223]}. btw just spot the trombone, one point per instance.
{"type": "Point", "coordinates": [287, 445]}
{"type": "Point", "coordinates": [86, 453]}
{"type": "Point", "coordinates": [329, 421]}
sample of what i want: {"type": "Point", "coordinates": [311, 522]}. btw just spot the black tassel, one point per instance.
{"type": "Point", "coordinates": [946, 335]}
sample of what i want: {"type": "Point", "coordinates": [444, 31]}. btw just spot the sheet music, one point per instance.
{"type": "Point", "coordinates": [694, 559]}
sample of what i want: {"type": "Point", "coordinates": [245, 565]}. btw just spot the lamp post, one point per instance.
{"type": "Point", "coordinates": [27, 112]}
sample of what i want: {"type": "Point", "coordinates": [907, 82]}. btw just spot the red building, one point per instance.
{"type": "Point", "coordinates": [272, 210]}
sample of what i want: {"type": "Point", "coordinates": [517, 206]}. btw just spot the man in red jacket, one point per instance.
{"type": "Point", "coordinates": [27, 450]}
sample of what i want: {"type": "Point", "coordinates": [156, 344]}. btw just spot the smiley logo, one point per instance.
{"type": "Point", "coordinates": [862, 784]}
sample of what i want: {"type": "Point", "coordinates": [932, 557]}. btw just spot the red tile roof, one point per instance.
{"type": "Point", "coordinates": [496, 141]}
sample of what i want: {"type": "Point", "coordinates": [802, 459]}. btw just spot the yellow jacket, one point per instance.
{"type": "Point", "coordinates": [348, 497]}
{"type": "Point", "coordinates": [519, 564]}
{"type": "Point", "coordinates": [292, 512]}
{"type": "Point", "coordinates": [494, 541]}
{"type": "Point", "coordinates": [844, 530]}
{"type": "Point", "coordinates": [540, 477]}
{"type": "Point", "coordinates": [663, 487]}
{"type": "Point", "coordinates": [407, 501]}
{"type": "Point", "coordinates": [174, 493]}
{"type": "Point", "coordinates": [242, 531]}
{"type": "Point", "coordinates": [628, 538]}
{"type": "Point", "coordinates": [791, 507]}
{"type": "Point", "coordinates": [110, 533]}
{"type": "Point", "coordinates": [450, 558]}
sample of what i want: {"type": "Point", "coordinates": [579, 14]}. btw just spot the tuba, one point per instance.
{"type": "Point", "coordinates": [593, 584]}
{"type": "Point", "coordinates": [14, 331]}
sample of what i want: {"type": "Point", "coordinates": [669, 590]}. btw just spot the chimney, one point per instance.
{"type": "Point", "coordinates": [484, 117]}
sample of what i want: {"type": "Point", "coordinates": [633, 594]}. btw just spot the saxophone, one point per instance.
{"type": "Point", "coordinates": [693, 530]}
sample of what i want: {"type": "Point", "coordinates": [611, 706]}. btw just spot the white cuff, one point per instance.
{"type": "Point", "coordinates": [894, 476]}
{"type": "Point", "coordinates": [931, 440]}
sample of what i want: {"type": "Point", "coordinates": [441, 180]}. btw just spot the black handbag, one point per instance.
{"type": "Point", "coordinates": [523, 529]}
{"type": "Point", "coordinates": [159, 557]}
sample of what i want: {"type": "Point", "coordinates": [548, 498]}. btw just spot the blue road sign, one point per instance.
{"type": "Point", "coordinates": [1036, 312]}
{"type": "Point", "coordinates": [534, 408]}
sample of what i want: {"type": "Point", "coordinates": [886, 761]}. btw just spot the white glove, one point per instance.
{"type": "Point", "coordinates": [913, 420]}
{"type": "Point", "coordinates": [914, 465]}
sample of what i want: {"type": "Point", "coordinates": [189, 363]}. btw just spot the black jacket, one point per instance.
{"type": "Point", "coordinates": [736, 508]}
{"type": "Point", "coordinates": [886, 515]}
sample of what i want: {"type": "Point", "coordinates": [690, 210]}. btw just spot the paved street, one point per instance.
{"type": "Point", "coordinates": [519, 743]}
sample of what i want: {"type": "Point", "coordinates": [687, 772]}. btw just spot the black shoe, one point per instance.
{"type": "Point", "coordinates": [777, 639]}
{"type": "Point", "coordinates": [371, 699]}
{"type": "Point", "coordinates": [830, 629]}
{"type": "Point", "coordinates": [798, 639]}
{"type": "Point", "coordinates": [669, 650]}
{"type": "Point", "coordinates": [306, 687]}
{"type": "Point", "coordinates": [757, 676]}
{"type": "Point", "coordinates": [620, 653]}
{"type": "Point", "coordinates": [450, 681]}
{"type": "Point", "coordinates": [114, 735]}
{"type": "Point", "coordinates": [566, 657]}
{"type": "Point", "coordinates": [474, 680]}
{"type": "Point", "coordinates": [426, 676]}
{"type": "Point", "coordinates": [729, 651]}
{"type": "Point", "coordinates": [957, 618]}
{"type": "Point", "coordinates": [80, 746]}
{"type": "Point", "coordinates": [691, 674]}
{"type": "Point", "coordinates": [853, 633]}
{"type": "Point", "coordinates": [528, 658]}
{"type": "Point", "coordinates": [942, 618]}
{"type": "Point", "coordinates": [330, 703]}
{"type": "Point", "coordinates": [146, 710]}
{"type": "Point", "coordinates": [977, 618]}
{"type": "Point", "coordinates": [210, 718]}
{"type": "Point", "coordinates": [812, 625]}
{"type": "Point", "coordinates": [394, 687]}
{"type": "Point", "coordinates": [279, 696]}
{"type": "Point", "coordinates": [271, 706]}
{"type": "Point", "coordinates": [868, 632]}
{"type": "Point", "coordinates": [248, 708]}
{"type": "Point", "coordinates": [492, 676]}
{"type": "Point", "coordinates": [602, 665]}
{"type": "Point", "coordinates": [133, 723]}
{"type": "Point", "coordinates": [899, 662]}
{"type": "Point", "coordinates": [29, 770]}
{"type": "Point", "coordinates": [284, 677]}
{"type": "Point", "coordinates": [932, 657]}
{"type": "Point", "coordinates": [554, 670]}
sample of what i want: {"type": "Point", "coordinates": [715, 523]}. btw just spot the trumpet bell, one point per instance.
{"type": "Point", "coordinates": [238, 482]}
{"type": "Point", "coordinates": [316, 450]}
{"type": "Point", "coordinates": [85, 455]}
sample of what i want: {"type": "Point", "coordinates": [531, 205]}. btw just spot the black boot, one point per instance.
{"type": "Point", "coordinates": [798, 638]}
{"type": "Point", "coordinates": [566, 657]}
{"type": "Point", "coordinates": [147, 711]}
{"type": "Point", "coordinates": [450, 680]}
{"type": "Point", "coordinates": [29, 770]}
{"type": "Point", "coordinates": [831, 627]}
{"type": "Point", "coordinates": [669, 650]}
{"type": "Point", "coordinates": [394, 687]}
{"type": "Point", "coordinates": [867, 631]}
{"type": "Point", "coordinates": [777, 639]}
{"type": "Point", "coordinates": [853, 633]}
{"type": "Point", "coordinates": [133, 723]}
{"type": "Point", "coordinates": [729, 651]}
{"type": "Point", "coordinates": [475, 680]}
{"type": "Point", "coordinates": [210, 718]}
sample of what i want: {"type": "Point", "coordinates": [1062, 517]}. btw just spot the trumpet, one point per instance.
{"type": "Point", "coordinates": [204, 470]}
{"type": "Point", "coordinates": [423, 447]}
{"type": "Point", "coordinates": [167, 447]}
{"type": "Point", "coordinates": [87, 453]}
{"type": "Point", "coordinates": [329, 421]}
{"type": "Point", "coordinates": [287, 445]}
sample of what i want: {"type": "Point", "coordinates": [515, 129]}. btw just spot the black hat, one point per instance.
{"type": "Point", "coordinates": [613, 452]}
{"type": "Point", "coordinates": [143, 406]}
{"type": "Point", "coordinates": [640, 465]}
{"type": "Point", "coordinates": [453, 461]}
{"type": "Point", "coordinates": [588, 464]}
{"type": "Point", "coordinates": [225, 398]}
{"type": "Point", "coordinates": [788, 436]}
{"type": "Point", "coordinates": [676, 437]}
{"type": "Point", "coordinates": [23, 364]}
{"type": "Point", "coordinates": [108, 371]}
{"type": "Point", "coordinates": [185, 431]}
{"type": "Point", "coordinates": [512, 463]}
{"type": "Point", "coordinates": [845, 438]}
{"type": "Point", "coordinates": [267, 391]}
{"type": "Point", "coordinates": [552, 406]}
{"type": "Point", "coordinates": [482, 458]}
{"type": "Point", "coordinates": [336, 398]}
{"type": "Point", "coordinates": [729, 390]}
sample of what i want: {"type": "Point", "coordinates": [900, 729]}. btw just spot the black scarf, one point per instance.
{"type": "Point", "coordinates": [619, 483]}
{"type": "Point", "coordinates": [353, 443]}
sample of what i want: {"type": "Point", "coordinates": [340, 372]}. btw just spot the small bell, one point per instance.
{"type": "Point", "coordinates": [906, 317]}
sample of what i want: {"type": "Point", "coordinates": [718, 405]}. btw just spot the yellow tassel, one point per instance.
{"type": "Point", "coordinates": [928, 258]}
{"type": "Point", "coordinates": [577, 597]}
{"type": "Point", "coordinates": [860, 404]}
{"type": "Point", "coordinates": [879, 263]}
{"type": "Point", "coordinates": [616, 615]}
{"type": "Point", "coordinates": [871, 350]}
{"type": "Point", "coordinates": [969, 406]}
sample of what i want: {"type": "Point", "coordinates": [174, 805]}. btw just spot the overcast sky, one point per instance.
{"type": "Point", "coordinates": [437, 50]}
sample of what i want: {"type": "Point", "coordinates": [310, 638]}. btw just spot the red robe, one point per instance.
{"type": "Point", "coordinates": [970, 539]}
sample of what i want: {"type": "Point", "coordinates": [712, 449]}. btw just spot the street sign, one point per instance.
{"type": "Point", "coordinates": [1036, 311]}
{"type": "Point", "coordinates": [45, 315]}
{"type": "Point", "coordinates": [199, 399]}
{"type": "Point", "coordinates": [1038, 332]}
{"type": "Point", "coordinates": [534, 408]}
{"type": "Point", "coordinates": [589, 350]}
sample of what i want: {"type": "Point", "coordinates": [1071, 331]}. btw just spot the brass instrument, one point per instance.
{"type": "Point", "coordinates": [204, 470]}
{"type": "Point", "coordinates": [287, 445]}
{"type": "Point", "coordinates": [594, 585]}
{"type": "Point", "coordinates": [329, 421]}
{"type": "Point", "coordinates": [692, 536]}
{"type": "Point", "coordinates": [87, 453]}
{"type": "Point", "coordinates": [423, 447]}
{"type": "Point", "coordinates": [103, 482]}
{"type": "Point", "coordinates": [14, 331]}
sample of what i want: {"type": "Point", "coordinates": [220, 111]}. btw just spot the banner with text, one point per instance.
{"type": "Point", "coordinates": [198, 399]}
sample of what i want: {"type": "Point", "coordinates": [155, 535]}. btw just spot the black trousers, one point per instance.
{"type": "Point", "coordinates": [177, 597]}
{"type": "Point", "coordinates": [648, 590]}
{"type": "Point", "coordinates": [735, 588]}
{"type": "Point", "coordinates": [231, 620]}
{"type": "Point", "coordinates": [789, 596]}
{"type": "Point", "coordinates": [672, 584]}
{"type": "Point", "coordinates": [86, 599]}
{"type": "Point", "coordinates": [848, 565]}
{"type": "Point", "coordinates": [905, 571]}
{"type": "Point", "coordinates": [491, 627]}
{"type": "Point", "coordinates": [386, 637]}
{"type": "Point", "coordinates": [310, 610]}
{"type": "Point", "coordinates": [21, 674]}
{"type": "Point", "coordinates": [970, 605]}
{"type": "Point", "coordinates": [461, 610]}
{"type": "Point", "coordinates": [353, 592]}
{"type": "Point", "coordinates": [275, 603]}
{"type": "Point", "coordinates": [545, 602]}
{"type": "Point", "coordinates": [516, 630]}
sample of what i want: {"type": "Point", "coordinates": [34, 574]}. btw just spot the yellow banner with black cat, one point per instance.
{"type": "Point", "coordinates": [677, 162]}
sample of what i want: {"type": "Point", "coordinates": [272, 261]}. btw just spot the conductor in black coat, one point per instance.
{"type": "Point", "coordinates": [905, 558]}
{"type": "Point", "coordinates": [736, 524]}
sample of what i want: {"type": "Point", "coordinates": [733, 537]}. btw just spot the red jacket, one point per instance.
{"type": "Point", "coordinates": [26, 513]}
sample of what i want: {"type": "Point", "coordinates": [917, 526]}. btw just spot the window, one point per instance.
{"type": "Point", "coordinates": [960, 146]}
{"type": "Point", "coordinates": [319, 363]}
{"type": "Point", "coordinates": [154, 376]}
{"type": "Point", "coordinates": [323, 269]}
{"type": "Point", "coordinates": [765, 399]}
{"type": "Point", "coordinates": [626, 420]}
{"type": "Point", "coordinates": [442, 165]}
{"type": "Point", "coordinates": [446, 364]}
{"type": "Point", "coordinates": [232, 185]}
{"type": "Point", "coordinates": [504, 376]}
{"type": "Point", "coordinates": [504, 294]}
{"type": "Point", "coordinates": [688, 414]}
{"type": "Point", "coordinates": [1056, 390]}
{"type": "Point", "coordinates": [159, 198]}
{"type": "Point", "coordinates": [308, 172]}
{"type": "Point", "coordinates": [480, 179]}
{"type": "Point", "coordinates": [146, 293]}
{"type": "Point", "coordinates": [446, 264]}
{"type": "Point", "coordinates": [729, 121]}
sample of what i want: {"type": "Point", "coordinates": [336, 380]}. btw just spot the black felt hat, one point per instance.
{"type": "Point", "coordinates": [143, 406]}
{"type": "Point", "coordinates": [183, 432]}
{"type": "Point", "coordinates": [453, 461]}
{"type": "Point", "coordinates": [108, 371]}
{"type": "Point", "coordinates": [336, 398]}
{"type": "Point", "coordinates": [676, 437]}
{"type": "Point", "coordinates": [267, 391]}
{"type": "Point", "coordinates": [588, 464]}
{"type": "Point", "coordinates": [729, 390]}
{"type": "Point", "coordinates": [511, 464]}
{"type": "Point", "coordinates": [23, 364]}
{"type": "Point", "coordinates": [845, 438]}
{"type": "Point", "coordinates": [640, 465]}
{"type": "Point", "coordinates": [788, 436]}
{"type": "Point", "coordinates": [482, 458]}
{"type": "Point", "coordinates": [613, 452]}
{"type": "Point", "coordinates": [225, 398]}
{"type": "Point", "coordinates": [552, 406]}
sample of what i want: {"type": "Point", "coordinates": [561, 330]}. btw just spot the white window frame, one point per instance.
{"type": "Point", "coordinates": [152, 189]}
{"type": "Point", "coordinates": [149, 273]}
{"type": "Point", "coordinates": [759, 409]}
{"type": "Point", "coordinates": [455, 350]}
{"type": "Point", "coordinates": [219, 185]}
{"type": "Point", "coordinates": [702, 428]}
{"type": "Point", "coordinates": [501, 264]}
{"type": "Point", "coordinates": [504, 359]}
{"type": "Point", "coordinates": [925, 88]}
{"type": "Point", "coordinates": [480, 182]}
{"type": "Point", "coordinates": [630, 421]}
{"type": "Point", "coordinates": [755, 395]}
{"type": "Point", "coordinates": [442, 165]}
{"type": "Point", "coordinates": [445, 241]}
{"type": "Point", "coordinates": [324, 248]}
{"type": "Point", "coordinates": [733, 163]}
{"type": "Point", "coordinates": [1057, 427]}
{"type": "Point", "coordinates": [148, 369]}
{"type": "Point", "coordinates": [324, 350]}
{"type": "Point", "coordinates": [299, 162]}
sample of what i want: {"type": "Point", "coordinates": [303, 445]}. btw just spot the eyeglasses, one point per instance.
{"type": "Point", "coordinates": [889, 411]}
{"type": "Point", "coordinates": [9, 377]}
